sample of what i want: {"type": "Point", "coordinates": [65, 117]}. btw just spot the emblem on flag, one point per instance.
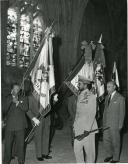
{"type": "Point", "coordinates": [42, 75]}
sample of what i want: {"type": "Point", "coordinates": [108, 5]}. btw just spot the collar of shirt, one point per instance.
{"type": "Point", "coordinates": [14, 96]}
{"type": "Point", "coordinates": [113, 94]}
{"type": "Point", "coordinates": [85, 91]}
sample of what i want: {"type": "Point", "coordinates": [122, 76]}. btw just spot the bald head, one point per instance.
{"type": "Point", "coordinates": [111, 82]}
{"type": "Point", "coordinates": [111, 87]}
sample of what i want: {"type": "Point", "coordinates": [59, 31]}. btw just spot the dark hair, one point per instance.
{"type": "Point", "coordinates": [14, 84]}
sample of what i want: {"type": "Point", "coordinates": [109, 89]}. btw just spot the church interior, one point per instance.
{"type": "Point", "coordinates": [74, 23]}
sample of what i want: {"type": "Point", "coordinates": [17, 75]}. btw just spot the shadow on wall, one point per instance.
{"type": "Point", "coordinates": [13, 75]}
{"type": "Point", "coordinates": [57, 42]}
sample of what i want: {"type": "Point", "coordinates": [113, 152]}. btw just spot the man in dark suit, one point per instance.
{"type": "Point", "coordinates": [72, 108]}
{"type": "Point", "coordinates": [113, 117]}
{"type": "Point", "coordinates": [72, 100]}
{"type": "Point", "coordinates": [16, 122]}
{"type": "Point", "coordinates": [42, 131]}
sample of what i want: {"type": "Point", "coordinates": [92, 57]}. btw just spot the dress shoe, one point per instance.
{"type": "Point", "coordinates": [114, 161]}
{"type": "Point", "coordinates": [40, 159]}
{"type": "Point", "coordinates": [47, 156]}
{"type": "Point", "coordinates": [108, 159]}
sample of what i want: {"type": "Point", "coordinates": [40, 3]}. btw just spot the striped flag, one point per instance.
{"type": "Point", "coordinates": [42, 76]}
{"type": "Point", "coordinates": [99, 64]}
{"type": "Point", "coordinates": [99, 80]}
{"type": "Point", "coordinates": [115, 75]}
{"type": "Point", "coordinates": [86, 71]}
{"type": "Point", "coordinates": [84, 67]}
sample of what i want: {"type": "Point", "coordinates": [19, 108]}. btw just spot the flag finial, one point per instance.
{"type": "Point", "coordinates": [100, 40]}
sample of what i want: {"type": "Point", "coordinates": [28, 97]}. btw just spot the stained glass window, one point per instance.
{"type": "Point", "coordinates": [24, 57]}
{"type": "Point", "coordinates": [37, 32]}
{"type": "Point", "coordinates": [21, 39]}
{"type": "Point", "coordinates": [11, 38]}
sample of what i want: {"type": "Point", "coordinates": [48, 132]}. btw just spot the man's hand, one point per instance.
{"type": "Point", "coordinates": [55, 98]}
{"type": "Point", "coordinates": [36, 121]}
{"type": "Point", "coordinates": [82, 136]}
{"type": "Point", "coordinates": [79, 137]}
{"type": "Point", "coordinates": [86, 133]}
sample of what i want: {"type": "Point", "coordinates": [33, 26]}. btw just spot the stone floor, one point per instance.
{"type": "Point", "coordinates": [62, 151]}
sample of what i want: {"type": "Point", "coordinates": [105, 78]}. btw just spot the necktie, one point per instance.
{"type": "Point", "coordinates": [109, 99]}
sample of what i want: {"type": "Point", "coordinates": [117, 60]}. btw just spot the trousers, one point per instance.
{"type": "Point", "coordinates": [41, 138]}
{"type": "Point", "coordinates": [111, 140]}
{"type": "Point", "coordinates": [18, 135]}
{"type": "Point", "coordinates": [88, 144]}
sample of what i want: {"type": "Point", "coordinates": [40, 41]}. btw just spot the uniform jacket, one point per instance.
{"type": "Point", "coordinates": [114, 113]}
{"type": "Point", "coordinates": [85, 112]}
{"type": "Point", "coordinates": [16, 119]}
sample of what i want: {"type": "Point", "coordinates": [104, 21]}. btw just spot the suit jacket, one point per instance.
{"type": "Point", "coordinates": [16, 118]}
{"type": "Point", "coordinates": [34, 108]}
{"type": "Point", "coordinates": [114, 112]}
{"type": "Point", "coordinates": [72, 100]}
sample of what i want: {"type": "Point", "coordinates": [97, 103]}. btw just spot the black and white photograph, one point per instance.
{"type": "Point", "coordinates": [63, 76]}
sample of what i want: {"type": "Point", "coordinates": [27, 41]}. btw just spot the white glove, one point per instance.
{"type": "Point", "coordinates": [55, 98]}
{"type": "Point", "coordinates": [36, 121]}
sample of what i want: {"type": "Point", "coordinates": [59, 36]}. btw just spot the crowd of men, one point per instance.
{"type": "Point", "coordinates": [82, 110]}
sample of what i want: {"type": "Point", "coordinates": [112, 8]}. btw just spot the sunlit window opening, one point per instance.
{"type": "Point", "coordinates": [24, 57]}
{"type": "Point", "coordinates": [11, 38]}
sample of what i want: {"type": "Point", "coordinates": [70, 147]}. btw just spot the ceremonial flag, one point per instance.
{"type": "Point", "coordinates": [99, 64]}
{"type": "Point", "coordinates": [86, 71]}
{"type": "Point", "coordinates": [99, 80]}
{"type": "Point", "coordinates": [115, 75]}
{"type": "Point", "coordinates": [84, 67]}
{"type": "Point", "coordinates": [42, 76]}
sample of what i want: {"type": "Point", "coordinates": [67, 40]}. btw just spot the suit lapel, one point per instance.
{"type": "Point", "coordinates": [114, 98]}
{"type": "Point", "coordinates": [107, 99]}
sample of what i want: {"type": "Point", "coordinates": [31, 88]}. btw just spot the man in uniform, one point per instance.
{"type": "Point", "coordinates": [84, 122]}
{"type": "Point", "coordinates": [113, 118]}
